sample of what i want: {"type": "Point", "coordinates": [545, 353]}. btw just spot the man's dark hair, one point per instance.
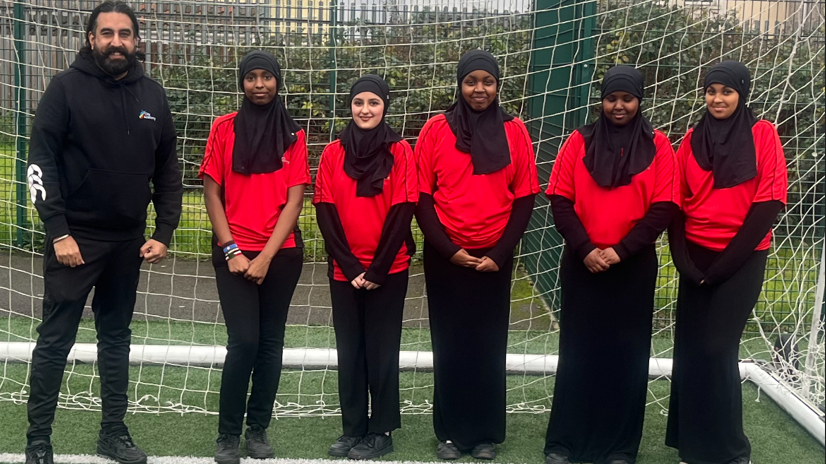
{"type": "Point", "coordinates": [112, 7]}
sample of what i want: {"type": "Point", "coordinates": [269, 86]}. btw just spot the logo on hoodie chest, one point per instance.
{"type": "Point", "coordinates": [145, 115]}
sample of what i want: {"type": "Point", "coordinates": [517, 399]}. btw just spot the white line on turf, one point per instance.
{"type": "Point", "coordinates": [91, 459]}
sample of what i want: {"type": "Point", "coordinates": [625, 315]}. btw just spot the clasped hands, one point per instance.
{"type": "Point", "coordinates": [601, 260]}
{"type": "Point", "coordinates": [464, 259]}
{"type": "Point", "coordinates": [360, 282]}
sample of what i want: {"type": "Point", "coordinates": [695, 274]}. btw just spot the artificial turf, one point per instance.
{"type": "Point", "coordinates": [775, 437]}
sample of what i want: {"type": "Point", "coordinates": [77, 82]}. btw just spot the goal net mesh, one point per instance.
{"type": "Point", "coordinates": [552, 54]}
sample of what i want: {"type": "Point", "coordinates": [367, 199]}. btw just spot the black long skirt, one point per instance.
{"type": "Point", "coordinates": [604, 346]}
{"type": "Point", "coordinates": [469, 313]}
{"type": "Point", "coordinates": [705, 412]}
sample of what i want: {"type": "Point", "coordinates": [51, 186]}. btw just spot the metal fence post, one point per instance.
{"type": "Point", "coordinates": [561, 72]}
{"type": "Point", "coordinates": [332, 32]}
{"type": "Point", "coordinates": [21, 114]}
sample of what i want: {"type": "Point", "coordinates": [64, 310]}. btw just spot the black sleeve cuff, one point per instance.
{"type": "Point", "coordinates": [585, 249]}
{"type": "Point", "coordinates": [448, 250]}
{"type": "Point", "coordinates": [351, 270]}
{"type": "Point", "coordinates": [622, 251]}
{"type": "Point", "coordinates": [335, 241]}
{"type": "Point", "coordinates": [679, 250]}
{"type": "Point", "coordinates": [647, 229]}
{"type": "Point", "coordinates": [514, 230]}
{"type": "Point", "coordinates": [756, 225]}
{"type": "Point", "coordinates": [569, 225]}
{"type": "Point", "coordinates": [433, 230]}
{"type": "Point", "coordinates": [498, 256]}
{"type": "Point", "coordinates": [372, 275]}
{"type": "Point", "coordinates": [56, 226]}
{"type": "Point", "coordinates": [694, 277]}
{"type": "Point", "coordinates": [163, 233]}
{"type": "Point", "coordinates": [395, 230]}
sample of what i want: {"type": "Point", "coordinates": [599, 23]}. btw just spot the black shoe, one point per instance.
{"type": "Point", "coordinates": [618, 461]}
{"type": "Point", "coordinates": [343, 445]}
{"type": "Point", "coordinates": [741, 460]}
{"type": "Point", "coordinates": [372, 446]}
{"type": "Point", "coordinates": [484, 451]}
{"type": "Point", "coordinates": [258, 445]}
{"type": "Point", "coordinates": [554, 458]}
{"type": "Point", "coordinates": [447, 451]}
{"type": "Point", "coordinates": [228, 452]}
{"type": "Point", "coordinates": [39, 452]}
{"type": "Point", "coordinates": [121, 448]}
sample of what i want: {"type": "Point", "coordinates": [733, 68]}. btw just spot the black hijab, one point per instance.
{"type": "Point", "coordinates": [262, 132]}
{"type": "Point", "coordinates": [615, 154]}
{"type": "Point", "coordinates": [480, 133]}
{"type": "Point", "coordinates": [726, 146]}
{"type": "Point", "coordinates": [367, 155]}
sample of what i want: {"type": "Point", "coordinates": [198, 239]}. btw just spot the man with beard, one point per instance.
{"type": "Point", "coordinates": [102, 147]}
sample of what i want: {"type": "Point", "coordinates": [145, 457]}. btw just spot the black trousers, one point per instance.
{"type": "Point", "coordinates": [368, 325]}
{"type": "Point", "coordinates": [705, 412]}
{"type": "Point", "coordinates": [604, 346]}
{"type": "Point", "coordinates": [469, 314]}
{"type": "Point", "coordinates": [255, 316]}
{"type": "Point", "coordinates": [113, 269]}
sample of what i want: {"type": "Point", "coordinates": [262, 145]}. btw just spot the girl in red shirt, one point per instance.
{"type": "Point", "coordinates": [614, 188]}
{"type": "Point", "coordinates": [254, 171]}
{"type": "Point", "coordinates": [734, 185]}
{"type": "Point", "coordinates": [365, 194]}
{"type": "Point", "coordinates": [477, 183]}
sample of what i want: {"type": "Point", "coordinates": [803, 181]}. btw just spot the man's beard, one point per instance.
{"type": "Point", "coordinates": [114, 67]}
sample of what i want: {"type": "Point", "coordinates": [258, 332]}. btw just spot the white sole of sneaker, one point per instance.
{"type": "Point", "coordinates": [93, 459]}
{"type": "Point", "coordinates": [111, 458]}
{"type": "Point", "coordinates": [379, 454]}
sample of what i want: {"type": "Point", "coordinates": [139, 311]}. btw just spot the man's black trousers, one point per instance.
{"type": "Point", "coordinates": [113, 269]}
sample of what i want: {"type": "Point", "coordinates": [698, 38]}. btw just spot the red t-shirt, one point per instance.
{"type": "Point", "coordinates": [609, 214]}
{"type": "Point", "coordinates": [363, 217]}
{"type": "Point", "coordinates": [474, 209]}
{"type": "Point", "coordinates": [253, 202]}
{"type": "Point", "coordinates": [714, 216]}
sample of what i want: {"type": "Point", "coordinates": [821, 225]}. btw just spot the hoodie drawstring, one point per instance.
{"type": "Point", "coordinates": [85, 62]}
{"type": "Point", "coordinates": [123, 91]}
{"type": "Point", "coordinates": [123, 109]}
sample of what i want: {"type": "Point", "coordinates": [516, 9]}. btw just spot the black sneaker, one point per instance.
{"type": "Point", "coordinates": [484, 451]}
{"type": "Point", "coordinates": [372, 446]}
{"type": "Point", "coordinates": [343, 445]}
{"type": "Point", "coordinates": [448, 451]}
{"type": "Point", "coordinates": [554, 458]}
{"type": "Point", "coordinates": [121, 448]}
{"type": "Point", "coordinates": [227, 452]}
{"type": "Point", "coordinates": [39, 452]}
{"type": "Point", "coordinates": [258, 445]}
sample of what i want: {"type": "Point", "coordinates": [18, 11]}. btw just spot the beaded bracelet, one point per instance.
{"type": "Point", "coordinates": [232, 253]}
{"type": "Point", "coordinates": [231, 250]}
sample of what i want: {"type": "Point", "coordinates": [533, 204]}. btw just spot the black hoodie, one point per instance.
{"type": "Point", "coordinates": [99, 147]}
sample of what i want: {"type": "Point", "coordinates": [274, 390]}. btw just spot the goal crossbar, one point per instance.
{"type": "Point", "coordinates": [807, 415]}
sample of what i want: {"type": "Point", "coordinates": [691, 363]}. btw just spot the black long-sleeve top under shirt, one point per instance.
{"type": "Point", "coordinates": [644, 232]}
{"type": "Point", "coordinates": [435, 234]}
{"type": "Point", "coordinates": [758, 222]}
{"type": "Point", "coordinates": [395, 232]}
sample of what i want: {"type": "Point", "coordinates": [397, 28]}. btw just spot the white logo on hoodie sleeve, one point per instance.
{"type": "Point", "coordinates": [35, 179]}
